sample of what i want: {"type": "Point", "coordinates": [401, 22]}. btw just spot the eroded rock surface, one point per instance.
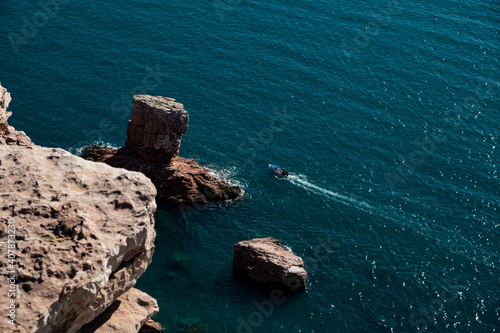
{"type": "Point", "coordinates": [153, 139]}
{"type": "Point", "coordinates": [155, 128]}
{"type": "Point", "coordinates": [75, 236]}
{"type": "Point", "coordinates": [128, 314]}
{"type": "Point", "coordinates": [266, 260]}
{"type": "Point", "coordinates": [151, 326]}
{"type": "Point", "coordinates": [84, 233]}
{"type": "Point", "coordinates": [8, 134]}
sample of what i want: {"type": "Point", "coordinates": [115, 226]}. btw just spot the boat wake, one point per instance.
{"type": "Point", "coordinates": [389, 213]}
{"type": "Point", "coordinates": [420, 225]}
{"type": "Point", "coordinates": [301, 181]}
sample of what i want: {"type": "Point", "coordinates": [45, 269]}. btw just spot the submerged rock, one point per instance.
{"type": "Point", "coordinates": [196, 328]}
{"type": "Point", "coordinates": [266, 260]}
{"type": "Point", "coordinates": [153, 139]}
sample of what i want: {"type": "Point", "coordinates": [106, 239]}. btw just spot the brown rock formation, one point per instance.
{"type": "Point", "coordinates": [8, 134]}
{"type": "Point", "coordinates": [151, 327]}
{"type": "Point", "coordinates": [85, 234]}
{"type": "Point", "coordinates": [266, 260]}
{"type": "Point", "coordinates": [153, 138]}
{"type": "Point", "coordinates": [155, 129]}
{"type": "Point", "coordinates": [4, 104]}
{"type": "Point", "coordinates": [75, 236]}
{"type": "Point", "coordinates": [128, 314]}
{"type": "Point", "coordinates": [182, 181]}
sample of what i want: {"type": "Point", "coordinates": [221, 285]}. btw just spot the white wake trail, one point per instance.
{"type": "Point", "coordinates": [351, 201]}
{"type": "Point", "coordinates": [389, 213]}
{"type": "Point", "coordinates": [301, 181]}
{"type": "Point", "coordinates": [419, 224]}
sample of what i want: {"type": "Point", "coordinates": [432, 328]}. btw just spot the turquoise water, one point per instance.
{"type": "Point", "coordinates": [385, 113]}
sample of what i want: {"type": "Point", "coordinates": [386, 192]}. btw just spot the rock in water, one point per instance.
{"type": "Point", "coordinates": [153, 139]}
{"type": "Point", "coordinates": [266, 260]}
{"type": "Point", "coordinates": [155, 128]}
{"type": "Point", "coordinates": [181, 182]}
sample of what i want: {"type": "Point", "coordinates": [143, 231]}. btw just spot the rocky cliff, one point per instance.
{"type": "Point", "coordinates": [153, 139]}
{"type": "Point", "coordinates": [74, 237]}
{"type": "Point", "coordinates": [8, 134]}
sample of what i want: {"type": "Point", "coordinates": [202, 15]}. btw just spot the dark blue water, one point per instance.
{"type": "Point", "coordinates": [386, 114]}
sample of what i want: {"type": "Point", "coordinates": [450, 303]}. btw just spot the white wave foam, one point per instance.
{"type": "Point", "coordinates": [78, 151]}
{"type": "Point", "coordinates": [225, 174]}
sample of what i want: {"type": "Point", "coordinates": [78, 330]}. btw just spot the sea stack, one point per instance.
{"type": "Point", "coordinates": [156, 127]}
{"type": "Point", "coordinates": [266, 260]}
{"type": "Point", "coordinates": [154, 135]}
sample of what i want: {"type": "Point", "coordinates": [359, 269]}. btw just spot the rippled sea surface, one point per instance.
{"type": "Point", "coordinates": [386, 114]}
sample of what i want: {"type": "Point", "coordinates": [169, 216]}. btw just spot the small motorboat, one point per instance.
{"type": "Point", "coordinates": [278, 171]}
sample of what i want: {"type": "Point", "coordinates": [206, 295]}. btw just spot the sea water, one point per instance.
{"type": "Point", "coordinates": [386, 114]}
